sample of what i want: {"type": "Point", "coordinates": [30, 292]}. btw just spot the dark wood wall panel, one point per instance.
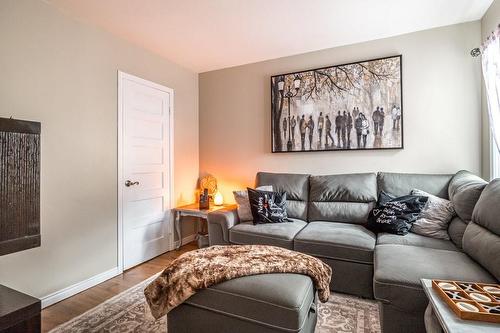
{"type": "Point", "coordinates": [19, 185]}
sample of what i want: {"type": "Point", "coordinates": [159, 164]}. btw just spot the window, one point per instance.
{"type": "Point", "coordinates": [490, 58]}
{"type": "Point", "coordinates": [495, 161]}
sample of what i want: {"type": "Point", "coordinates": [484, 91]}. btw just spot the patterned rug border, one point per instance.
{"type": "Point", "coordinates": [128, 312]}
{"type": "Point", "coordinates": [103, 304]}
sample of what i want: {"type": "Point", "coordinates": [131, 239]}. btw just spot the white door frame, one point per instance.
{"type": "Point", "coordinates": [124, 76]}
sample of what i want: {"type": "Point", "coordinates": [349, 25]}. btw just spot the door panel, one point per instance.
{"type": "Point", "coordinates": [146, 154]}
{"type": "Point", "coordinates": [139, 209]}
{"type": "Point", "coordinates": [147, 103]}
{"type": "Point", "coordinates": [146, 129]}
{"type": "Point", "coordinates": [146, 165]}
{"type": "Point", "coordinates": [150, 180]}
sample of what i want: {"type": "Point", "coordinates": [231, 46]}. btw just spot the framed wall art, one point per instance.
{"type": "Point", "coordinates": [19, 185]}
{"type": "Point", "coordinates": [356, 106]}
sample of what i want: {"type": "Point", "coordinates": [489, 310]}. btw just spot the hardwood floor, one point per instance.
{"type": "Point", "coordinates": [71, 307]}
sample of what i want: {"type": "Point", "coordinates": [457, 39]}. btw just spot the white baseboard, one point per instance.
{"type": "Point", "coordinates": [185, 240]}
{"type": "Point", "coordinates": [78, 287]}
{"type": "Point", "coordinates": [92, 281]}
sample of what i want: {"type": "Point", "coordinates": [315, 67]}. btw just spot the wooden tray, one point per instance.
{"type": "Point", "coordinates": [470, 300]}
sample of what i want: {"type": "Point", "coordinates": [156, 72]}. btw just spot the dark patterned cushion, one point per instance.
{"type": "Point", "coordinates": [267, 206]}
{"type": "Point", "coordinates": [395, 215]}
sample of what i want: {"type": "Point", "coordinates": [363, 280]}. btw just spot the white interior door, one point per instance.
{"type": "Point", "coordinates": [145, 180]}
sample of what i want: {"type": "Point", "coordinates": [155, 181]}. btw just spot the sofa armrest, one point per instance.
{"type": "Point", "coordinates": [219, 223]}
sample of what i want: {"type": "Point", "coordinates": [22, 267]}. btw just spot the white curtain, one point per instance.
{"type": "Point", "coordinates": [491, 73]}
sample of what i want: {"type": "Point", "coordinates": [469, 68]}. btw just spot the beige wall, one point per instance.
{"type": "Point", "coordinates": [489, 22]}
{"type": "Point", "coordinates": [64, 74]}
{"type": "Point", "coordinates": [442, 100]}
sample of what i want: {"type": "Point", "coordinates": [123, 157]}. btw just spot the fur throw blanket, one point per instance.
{"type": "Point", "coordinates": [199, 269]}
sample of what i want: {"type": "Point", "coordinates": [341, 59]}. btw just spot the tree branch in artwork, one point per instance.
{"type": "Point", "coordinates": [341, 80]}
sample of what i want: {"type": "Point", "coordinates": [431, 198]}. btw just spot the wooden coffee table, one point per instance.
{"type": "Point", "coordinates": [447, 319]}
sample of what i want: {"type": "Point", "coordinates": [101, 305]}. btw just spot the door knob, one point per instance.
{"type": "Point", "coordinates": [129, 183]}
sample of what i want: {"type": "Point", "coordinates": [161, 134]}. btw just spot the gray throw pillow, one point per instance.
{"type": "Point", "coordinates": [434, 219]}
{"type": "Point", "coordinates": [241, 198]}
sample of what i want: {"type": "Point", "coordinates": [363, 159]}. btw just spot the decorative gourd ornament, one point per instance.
{"type": "Point", "coordinates": [210, 183]}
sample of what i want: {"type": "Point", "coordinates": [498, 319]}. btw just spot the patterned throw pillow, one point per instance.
{"type": "Point", "coordinates": [434, 219]}
{"type": "Point", "coordinates": [267, 207]}
{"type": "Point", "coordinates": [395, 215]}
{"type": "Point", "coordinates": [241, 198]}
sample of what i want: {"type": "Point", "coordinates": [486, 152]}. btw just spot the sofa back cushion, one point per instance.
{"type": "Point", "coordinates": [399, 184]}
{"type": "Point", "coordinates": [456, 230]}
{"type": "Point", "coordinates": [342, 198]}
{"type": "Point", "coordinates": [464, 191]}
{"type": "Point", "coordinates": [296, 187]}
{"type": "Point", "coordinates": [482, 236]}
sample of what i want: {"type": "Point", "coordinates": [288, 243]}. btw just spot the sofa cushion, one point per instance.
{"type": "Point", "coordinates": [336, 240]}
{"type": "Point", "coordinates": [434, 219]}
{"type": "Point", "coordinates": [399, 268]}
{"type": "Point", "coordinates": [487, 210]}
{"type": "Point", "coordinates": [296, 187]}
{"type": "Point", "coordinates": [399, 184]}
{"type": "Point", "coordinates": [482, 236]}
{"type": "Point", "coordinates": [342, 198]}
{"type": "Point", "coordinates": [464, 191]}
{"type": "Point", "coordinates": [484, 246]}
{"type": "Point", "coordinates": [267, 206]}
{"type": "Point", "coordinates": [456, 230]}
{"type": "Point", "coordinates": [243, 203]}
{"type": "Point", "coordinates": [277, 234]}
{"type": "Point", "coordinates": [416, 240]}
{"type": "Point", "coordinates": [395, 215]}
{"type": "Point", "coordinates": [279, 300]}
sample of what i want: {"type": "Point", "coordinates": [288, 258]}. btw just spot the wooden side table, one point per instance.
{"type": "Point", "coordinates": [193, 210]}
{"type": "Point", "coordinates": [19, 312]}
{"type": "Point", "coordinates": [448, 321]}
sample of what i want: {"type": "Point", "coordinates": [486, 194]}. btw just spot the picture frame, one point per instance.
{"type": "Point", "coordinates": [352, 106]}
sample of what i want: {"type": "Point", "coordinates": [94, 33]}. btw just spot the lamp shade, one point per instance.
{"type": "Point", "coordinates": [218, 199]}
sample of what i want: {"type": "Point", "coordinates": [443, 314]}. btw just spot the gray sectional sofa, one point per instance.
{"type": "Point", "coordinates": [328, 216]}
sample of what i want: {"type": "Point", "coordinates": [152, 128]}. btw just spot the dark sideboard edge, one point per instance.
{"type": "Point", "coordinates": [19, 126]}
{"type": "Point", "coordinates": [17, 307]}
{"type": "Point", "coordinates": [19, 244]}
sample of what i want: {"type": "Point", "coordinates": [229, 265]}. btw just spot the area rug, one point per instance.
{"type": "Point", "coordinates": [126, 312]}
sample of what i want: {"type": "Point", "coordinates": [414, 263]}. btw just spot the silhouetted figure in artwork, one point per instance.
{"type": "Point", "coordinates": [302, 129]}
{"type": "Point", "coordinates": [328, 131]}
{"type": "Point", "coordinates": [343, 127]}
{"type": "Point", "coordinates": [355, 112]}
{"type": "Point", "coordinates": [348, 129]}
{"type": "Point", "coordinates": [293, 123]}
{"type": "Point", "coordinates": [358, 126]}
{"type": "Point", "coordinates": [310, 125]}
{"type": "Point", "coordinates": [338, 127]}
{"type": "Point", "coordinates": [381, 121]}
{"type": "Point", "coordinates": [321, 123]}
{"type": "Point", "coordinates": [376, 120]}
{"type": "Point", "coordinates": [396, 116]}
{"type": "Point", "coordinates": [365, 129]}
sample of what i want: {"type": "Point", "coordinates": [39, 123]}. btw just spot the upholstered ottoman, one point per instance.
{"type": "Point", "coordinates": [259, 303]}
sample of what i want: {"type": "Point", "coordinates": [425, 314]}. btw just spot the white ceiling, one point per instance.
{"type": "Point", "coordinates": [204, 35]}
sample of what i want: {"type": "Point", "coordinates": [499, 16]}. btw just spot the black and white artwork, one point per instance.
{"type": "Point", "coordinates": [344, 107]}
